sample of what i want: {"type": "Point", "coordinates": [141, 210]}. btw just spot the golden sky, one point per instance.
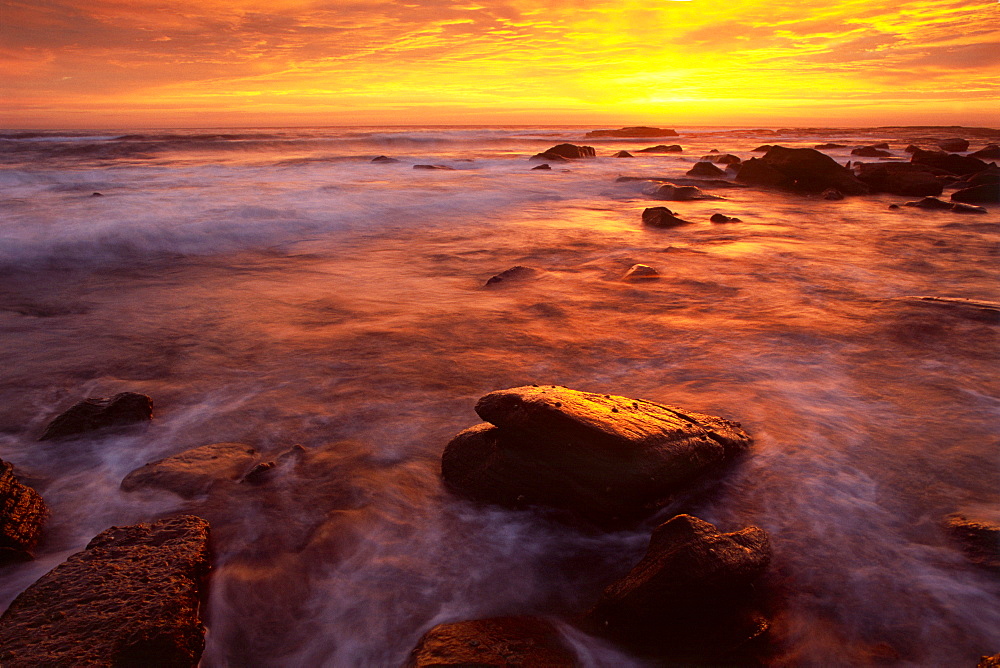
{"type": "Point", "coordinates": [164, 63]}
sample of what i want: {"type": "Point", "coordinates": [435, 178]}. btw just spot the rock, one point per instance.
{"type": "Point", "coordinates": [22, 514]}
{"type": "Point", "coordinates": [803, 169]}
{"type": "Point", "coordinates": [96, 195]}
{"type": "Point", "coordinates": [932, 203]}
{"type": "Point", "coordinates": [989, 661]}
{"type": "Point", "coordinates": [100, 413]}
{"type": "Point", "coordinates": [505, 277]}
{"type": "Point", "coordinates": [259, 473]}
{"type": "Point", "coordinates": [661, 216]}
{"type": "Point", "coordinates": [893, 206]}
{"type": "Point", "coordinates": [970, 309]}
{"type": "Point", "coordinates": [660, 148]}
{"type": "Point", "coordinates": [130, 598]}
{"type": "Point", "coordinates": [763, 149]}
{"type": "Point", "coordinates": [967, 208]}
{"type": "Point", "coordinates": [979, 539]}
{"type": "Point", "coordinates": [544, 165]}
{"type": "Point", "coordinates": [639, 131]}
{"type": "Point", "coordinates": [498, 641]}
{"type": "Point", "coordinates": [384, 159]}
{"type": "Point", "coordinates": [820, 147]}
{"type": "Point", "coordinates": [949, 162]}
{"type": "Point", "coordinates": [871, 152]}
{"type": "Point", "coordinates": [571, 151]}
{"type": "Point", "coordinates": [690, 597]}
{"type": "Point", "coordinates": [987, 176]}
{"type": "Point", "coordinates": [623, 154]}
{"type": "Point", "coordinates": [195, 471]}
{"type": "Point", "coordinates": [912, 148]}
{"type": "Point", "coordinates": [549, 157]}
{"type": "Point", "coordinates": [899, 178]}
{"type": "Point", "coordinates": [705, 169]}
{"type": "Point", "coordinates": [723, 159]}
{"type": "Point", "coordinates": [988, 152]}
{"type": "Point", "coordinates": [988, 193]}
{"type": "Point", "coordinates": [601, 458]}
{"type": "Point", "coordinates": [669, 191]}
{"type": "Point", "coordinates": [832, 194]}
{"type": "Point", "coordinates": [954, 145]}
{"type": "Point", "coordinates": [446, 167]}
{"type": "Point", "coordinates": [723, 218]}
{"type": "Point", "coordinates": [884, 145]}
{"type": "Point", "coordinates": [641, 272]}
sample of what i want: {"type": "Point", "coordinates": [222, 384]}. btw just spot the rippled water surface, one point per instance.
{"type": "Point", "coordinates": [275, 287]}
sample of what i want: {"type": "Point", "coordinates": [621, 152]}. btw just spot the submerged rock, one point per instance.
{"type": "Point", "coordinates": [641, 272]}
{"type": "Point", "coordinates": [637, 131]}
{"type": "Point", "coordinates": [935, 204]}
{"type": "Point", "coordinates": [954, 145]}
{"type": "Point", "coordinates": [661, 216]}
{"type": "Point", "coordinates": [803, 169]}
{"type": "Point", "coordinates": [100, 413]}
{"type": "Point", "coordinates": [723, 218]}
{"type": "Point", "coordinates": [979, 539]}
{"type": "Point", "coordinates": [669, 191]}
{"type": "Point", "coordinates": [384, 159]}
{"type": "Point", "coordinates": [987, 193]}
{"type": "Point", "coordinates": [602, 458]}
{"type": "Point", "coordinates": [498, 641]}
{"type": "Point", "coordinates": [194, 471]}
{"type": "Point", "coordinates": [689, 598]}
{"type": "Point", "coordinates": [544, 165]}
{"type": "Point", "coordinates": [22, 514]}
{"type": "Point", "coordinates": [661, 148]}
{"type": "Point", "coordinates": [549, 157]}
{"type": "Point", "coordinates": [131, 598]}
{"type": "Point", "coordinates": [820, 147]}
{"type": "Point", "coordinates": [518, 273]}
{"type": "Point", "coordinates": [705, 169]}
{"type": "Point", "coordinates": [444, 167]}
{"type": "Point", "coordinates": [899, 178]}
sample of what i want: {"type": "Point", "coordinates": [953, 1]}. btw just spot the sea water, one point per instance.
{"type": "Point", "coordinates": [276, 287]}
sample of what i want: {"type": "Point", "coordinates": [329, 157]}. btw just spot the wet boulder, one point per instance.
{"type": "Point", "coordinates": [955, 145]}
{"type": "Point", "coordinates": [832, 194]}
{"type": "Point", "coordinates": [723, 159]}
{"type": "Point", "coordinates": [195, 471]}
{"type": "Point", "coordinates": [641, 272]}
{"type": "Point", "coordinates": [444, 167]}
{"type": "Point", "coordinates": [512, 275]}
{"type": "Point", "coordinates": [601, 458]}
{"type": "Point", "coordinates": [661, 216]}
{"type": "Point", "coordinates": [935, 204]}
{"type": "Point", "coordinates": [384, 159]}
{"type": "Point", "coordinates": [662, 148]}
{"type": "Point", "coordinates": [705, 169]}
{"type": "Point", "coordinates": [987, 193]}
{"type": "Point", "coordinates": [131, 598]}
{"type": "Point", "coordinates": [723, 218]}
{"type": "Point", "coordinates": [549, 157]}
{"type": "Point", "coordinates": [498, 641]}
{"type": "Point", "coordinates": [949, 162]}
{"type": "Point", "coordinates": [22, 514]}
{"type": "Point", "coordinates": [988, 152]}
{"type": "Point", "coordinates": [989, 661]}
{"type": "Point", "coordinates": [980, 540]}
{"type": "Point", "coordinates": [671, 192]}
{"type": "Point", "coordinates": [871, 152]}
{"type": "Point", "coordinates": [571, 151]}
{"type": "Point", "coordinates": [757, 172]}
{"type": "Point", "coordinates": [899, 178]}
{"type": "Point", "coordinates": [690, 598]}
{"type": "Point", "coordinates": [100, 413]}
{"type": "Point", "coordinates": [803, 169]}
{"type": "Point", "coordinates": [623, 154]}
{"type": "Point", "coordinates": [822, 147]}
{"type": "Point", "coordinates": [636, 132]}
{"type": "Point", "coordinates": [544, 165]}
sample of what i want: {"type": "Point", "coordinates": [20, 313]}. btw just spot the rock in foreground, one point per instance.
{"type": "Point", "coordinates": [570, 151]}
{"type": "Point", "coordinates": [22, 513]}
{"type": "Point", "coordinates": [99, 413]}
{"type": "Point", "coordinates": [979, 539]}
{"type": "Point", "coordinates": [499, 641]}
{"type": "Point", "coordinates": [194, 471]}
{"type": "Point", "coordinates": [130, 598]}
{"type": "Point", "coordinates": [899, 178]}
{"type": "Point", "coordinates": [690, 597]}
{"type": "Point", "coordinates": [602, 458]}
{"type": "Point", "coordinates": [661, 216]}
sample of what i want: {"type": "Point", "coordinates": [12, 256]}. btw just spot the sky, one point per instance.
{"type": "Point", "coordinates": [222, 63]}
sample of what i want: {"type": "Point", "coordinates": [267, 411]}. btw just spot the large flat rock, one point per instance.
{"type": "Point", "coordinates": [194, 471]}
{"type": "Point", "coordinates": [96, 413]}
{"type": "Point", "coordinates": [498, 641]}
{"type": "Point", "coordinates": [604, 458]}
{"type": "Point", "coordinates": [131, 598]}
{"type": "Point", "coordinates": [22, 513]}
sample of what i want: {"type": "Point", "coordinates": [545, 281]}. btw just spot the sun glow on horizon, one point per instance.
{"type": "Point", "coordinates": [107, 64]}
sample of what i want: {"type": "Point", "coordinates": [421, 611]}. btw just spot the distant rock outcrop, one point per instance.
{"type": "Point", "coordinates": [638, 132]}
{"type": "Point", "coordinates": [194, 471]}
{"type": "Point", "coordinates": [690, 597]}
{"type": "Point", "coordinates": [131, 598]}
{"type": "Point", "coordinates": [497, 641]}
{"type": "Point", "coordinates": [661, 148]}
{"type": "Point", "coordinates": [22, 513]}
{"type": "Point", "coordinates": [601, 458]}
{"type": "Point", "coordinates": [100, 413]}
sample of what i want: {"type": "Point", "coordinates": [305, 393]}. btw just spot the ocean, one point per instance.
{"type": "Point", "coordinates": [276, 287]}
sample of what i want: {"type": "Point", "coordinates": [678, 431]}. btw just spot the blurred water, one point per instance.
{"type": "Point", "coordinates": [276, 287]}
